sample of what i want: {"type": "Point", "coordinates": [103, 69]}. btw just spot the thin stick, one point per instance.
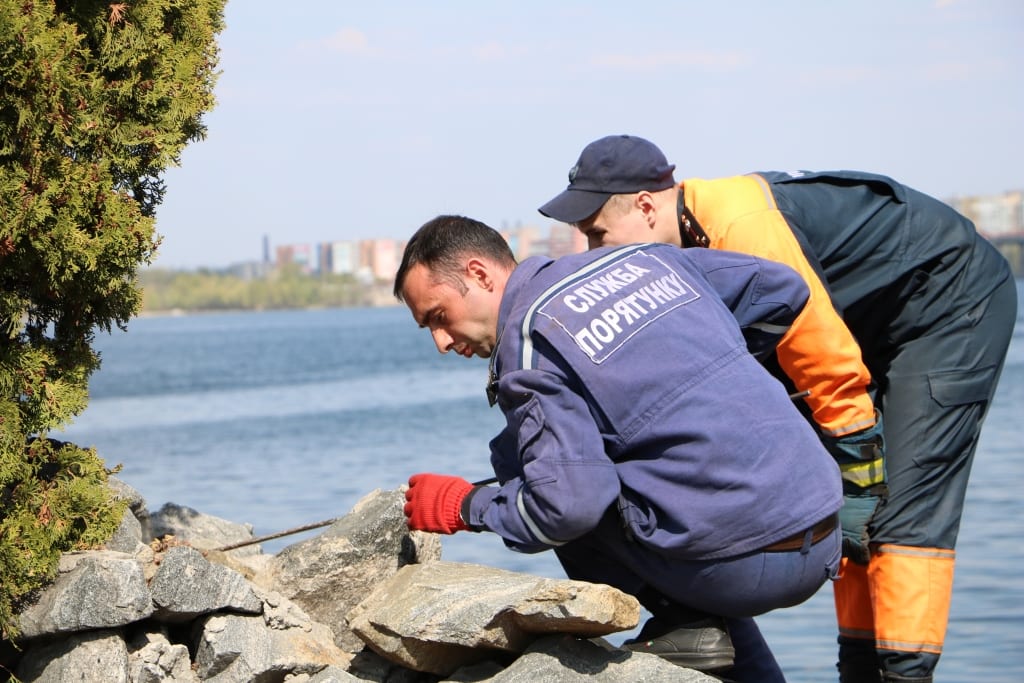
{"type": "Point", "coordinates": [279, 534]}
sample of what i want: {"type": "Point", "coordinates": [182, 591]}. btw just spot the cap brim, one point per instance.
{"type": "Point", "coordinates": [572, 206]}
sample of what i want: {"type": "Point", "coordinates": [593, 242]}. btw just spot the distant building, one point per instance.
{"type": "Point", "coordinates": [384, 259]}
{"type": "Point", "coordinates": [377, 259]}
{"type": "Point", "coordinates": [296, 254]}
{"type": "Point", "coordinates": [1000, 218]}
{"type": "Point", "coordinates": [564, 239]}
{"type": "Point", "coordinates": [341, 257]}
{"type": "Point", "coordinates": [994, 215]}
{"type": "Point", "coordinates": [522, 240]}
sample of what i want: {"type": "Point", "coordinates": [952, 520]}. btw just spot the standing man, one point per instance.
{"type": "Point", "coordinates": [632, 471]}
{"type": "Point", "coordinates": [929, 308]}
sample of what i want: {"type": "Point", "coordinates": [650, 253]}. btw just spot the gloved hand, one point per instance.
{"type": "Point", "coordinates": [854, 517]}
{"type": "Point", "coordinates": [861, 458]}
{"type": "Point", "coordinates": [434, 503]}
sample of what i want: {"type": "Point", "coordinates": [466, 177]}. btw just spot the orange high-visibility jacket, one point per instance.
{"type": "Point", "coordinates": [818, 353]}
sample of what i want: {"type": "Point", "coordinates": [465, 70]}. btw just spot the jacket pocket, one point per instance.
{"type": "Point", "coordinates": [958, 403]}
{"type": "Point", "coordinates": [528, 423]}
{"type": "Point", "coordinates": [960, 387]}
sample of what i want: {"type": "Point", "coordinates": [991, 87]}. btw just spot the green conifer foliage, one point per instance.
{"type": "Point", "coordinates": [97, 99]}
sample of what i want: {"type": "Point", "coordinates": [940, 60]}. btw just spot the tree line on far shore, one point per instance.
{"type": "Point", "coordinates": [207, 290]}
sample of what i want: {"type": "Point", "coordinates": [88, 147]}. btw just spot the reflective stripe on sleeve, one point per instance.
{"type": "Point", "coordinates": [531, 524]}
{"type": "Point", "coordinates": [864, 474]}
{"type": "Point", "coordinates": [769, 328]}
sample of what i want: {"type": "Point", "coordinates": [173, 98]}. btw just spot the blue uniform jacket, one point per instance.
{"type": "Point", "coordinates": [625, 379]}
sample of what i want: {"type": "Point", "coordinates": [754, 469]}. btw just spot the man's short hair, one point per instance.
{"type": "Point", "coordinates": [441, 244]}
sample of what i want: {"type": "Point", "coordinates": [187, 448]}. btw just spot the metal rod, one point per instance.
{"type": "Point", "coordinates": [279, 534]}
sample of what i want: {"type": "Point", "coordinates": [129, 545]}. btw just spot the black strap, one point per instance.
{"type": "Point", "coordinates": [690, 232]}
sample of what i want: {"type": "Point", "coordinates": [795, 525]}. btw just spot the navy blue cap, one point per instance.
{"type": "Point", "coordinates": [617, 164]}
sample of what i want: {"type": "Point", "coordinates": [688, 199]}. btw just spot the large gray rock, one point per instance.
{"type": "Point", "coordinates": [367, 665]}
{"type": "Point", "coordinates": [200, 530]}
{"type": "Point", "coordinates": [329, 574]}
{"type": "Point", "coordinates": [152, 658]}
{"type": "Point", "coordinates": [331, 674]}
{"type": "Point", "coordinates": [93, 590]}
{"type": "Point", "coordinates": [91, 657]}
{"type": "Point", "coordinates": [440, 616]}
{"type": "Point", "coordinates": [283, 641]}
{"type": "Point", "coordinates": [564, 659]}
{"type": "Point", "coordinates": [186, 585]}
{"type": "Point", "coordinates": [207, 533]}
{"type": "Point", "coordinates": [122, 491]}
{"type": "Point", "coordinates": [128, 535]}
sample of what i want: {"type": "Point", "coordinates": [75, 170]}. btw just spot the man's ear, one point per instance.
{"type": "Point", "coordinates": [648, 206]}
{"type": "Point", "coordinates": [479, 271]}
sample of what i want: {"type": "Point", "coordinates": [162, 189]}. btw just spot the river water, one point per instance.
{"type": "Point", "coordinates": [280, 419]}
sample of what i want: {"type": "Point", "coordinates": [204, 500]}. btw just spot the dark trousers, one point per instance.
{"type": "Point", "coordinates": [737, 588]}
{"type": "Point", "coordinates": [934, 392]}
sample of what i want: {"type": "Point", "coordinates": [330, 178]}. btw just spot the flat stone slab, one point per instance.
{"type": "Point", "coordinates": [439, 616]}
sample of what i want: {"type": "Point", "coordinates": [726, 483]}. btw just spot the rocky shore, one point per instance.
{"type": "Point", "coordinates": [366, 600]}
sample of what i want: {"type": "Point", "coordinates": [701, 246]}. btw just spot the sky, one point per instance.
{"type": "Point", "coordinates": [346, 121]}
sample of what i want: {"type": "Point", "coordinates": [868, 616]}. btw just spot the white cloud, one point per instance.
{"type": "Point", "coordinates": [345, 40]}
{"type": "Point", "coordinates": [843, 75]}
{"type": "Point", "coordinates": [949, 71]}
{"type": "Point", "coordinates": [490, 51]}
{"type": "Point", "coordinates": [706, 60]}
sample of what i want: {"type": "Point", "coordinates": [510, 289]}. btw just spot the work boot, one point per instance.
{"type": "Point", "coordinates": [858, 661]}
{"type": "Point", "coordinates": [703, 645]}
{"type": "Point", "coordinates": [859, 672]}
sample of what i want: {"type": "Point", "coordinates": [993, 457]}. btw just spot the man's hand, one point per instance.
{"type": "Point", "coordinates": [434, 503]}
{"type": "Point", "coordinates": [861, 458]}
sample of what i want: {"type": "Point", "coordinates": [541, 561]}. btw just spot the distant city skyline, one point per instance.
{"type": "Point", "coordinates": [994, 215]}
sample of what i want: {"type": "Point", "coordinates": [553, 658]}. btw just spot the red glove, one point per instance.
{"type": "Point", "coordinates": [434, 503]}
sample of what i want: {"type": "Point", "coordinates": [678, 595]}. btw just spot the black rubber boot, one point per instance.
{"type": "Point", "coordinates": [889, 677]}
{"type": "Point", "coordinates": [858, 662]}
{"type": "Point", "coordinates": [686, 637]}
{"type": "Point", "coordinates": [858, 673]}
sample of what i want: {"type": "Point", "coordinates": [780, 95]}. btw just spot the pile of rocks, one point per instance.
{"type": "Point", "coordinates": [366, 600]}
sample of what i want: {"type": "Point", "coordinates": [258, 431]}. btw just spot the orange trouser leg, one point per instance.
{"type": "Point", "coordinates": [911, 590]}
{"type": "Point", "coordinates": [858, 659]}
{"type": "Point", "coordinates": [854, 610]}
{"type": "Point", "coordinates": [899, 604]}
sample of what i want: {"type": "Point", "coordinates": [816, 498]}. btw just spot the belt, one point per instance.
{"type": "Point", "coordinates": [796, 541]}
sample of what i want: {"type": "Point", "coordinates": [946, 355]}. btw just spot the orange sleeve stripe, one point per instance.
{"type": "Point", "coordinates": [818, 353]}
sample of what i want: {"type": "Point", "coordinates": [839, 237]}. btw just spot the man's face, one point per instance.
{"type": "Point", "coordinates": [463, 322]}
{"type": "Point", "coordinates": [615, 224]}
{"type": "Point", "coordinates": [629, 219]}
